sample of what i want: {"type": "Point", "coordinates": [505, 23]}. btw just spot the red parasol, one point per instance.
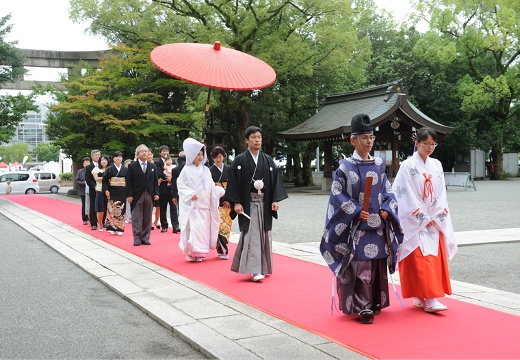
{"type": "Point", "coordinates": [213, 66]}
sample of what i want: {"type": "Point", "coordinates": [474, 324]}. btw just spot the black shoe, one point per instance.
{"type": "Point", "coordinates": [366, 316]}
{"type": "Point", "coordinates": [175, 231]}
{"type": "Point", "coordinates": [146, 243]}
{"type": "Point", "coordinates": [136, 244]}
{"type": "Point", "coordinates": [152, 228]}
{"type": "Point", "coordinates": [94, 227]}
{"type": "Point", "coordinates": [164, 230]}
{"type": "Point", "coordinates": [85, 222]}
{"type": "Point", "coordinates": [157, 226]}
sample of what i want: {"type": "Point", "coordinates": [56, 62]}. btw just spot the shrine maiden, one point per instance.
{"type": "Point", "coordinates": [425, 219]}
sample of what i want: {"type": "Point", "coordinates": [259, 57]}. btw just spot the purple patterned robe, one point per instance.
{"type": "Point", "coordinates": [345, 238]}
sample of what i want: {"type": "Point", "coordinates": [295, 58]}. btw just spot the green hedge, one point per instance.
{"type": "Point", "coordinates": [66, 176]}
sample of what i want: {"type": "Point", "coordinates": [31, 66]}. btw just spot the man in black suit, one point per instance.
{"type": "Point", "coordinates": [141, 189]}
{"type": "Point", "coordinates": [91, 183]}
{"type": "Point", "coordinates": [165, 192]}
{"type": "Point", "coordinates": [181, 161]}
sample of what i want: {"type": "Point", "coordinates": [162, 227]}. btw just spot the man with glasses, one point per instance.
{"type": "Point", "coordinates": [357, 240]}
{"type": "Point", "coordinates": [142, 189]}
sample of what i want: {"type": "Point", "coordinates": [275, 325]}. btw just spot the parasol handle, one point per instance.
{"type": "Point", "coordinates": [206, 115]}
{"type": "Point", "coordinates": [367, 193]}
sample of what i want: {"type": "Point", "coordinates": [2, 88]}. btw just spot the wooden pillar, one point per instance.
{"type": "Point", "coordinates": [395, 158]}
{"type": "Point", "coordinates": [327, 166]}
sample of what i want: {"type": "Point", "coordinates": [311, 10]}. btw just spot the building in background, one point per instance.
{"type": "Point", "coordinates": [31, 130]}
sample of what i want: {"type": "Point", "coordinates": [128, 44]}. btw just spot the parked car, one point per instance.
{"type": "Point", "coordinates": [22, 182]}
{"type": "Point", "coordinates": [48, 181]}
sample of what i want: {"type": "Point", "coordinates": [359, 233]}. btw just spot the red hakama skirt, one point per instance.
{"type": "Point", "coordinates": [425, 276]}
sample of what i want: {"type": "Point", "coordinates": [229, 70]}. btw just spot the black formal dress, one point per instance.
{"type": "Point", "coordinates": [165, 196]}
{"type": "Point", "coordinates": [220, 178]}
{"type": "Point", "coordinates": [91, 183]}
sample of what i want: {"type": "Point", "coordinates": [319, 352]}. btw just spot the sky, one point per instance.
{"type": "Point", "coordinates": [45, 25]}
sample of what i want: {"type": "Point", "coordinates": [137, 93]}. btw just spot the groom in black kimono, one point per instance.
{"type": "Point", "coordinates": [255, 187]}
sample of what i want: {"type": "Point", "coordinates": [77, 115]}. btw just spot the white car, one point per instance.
{"type": "Point", "coordinates": [48, 181]}
{"type": "Point", "coordinates": [22, 182]}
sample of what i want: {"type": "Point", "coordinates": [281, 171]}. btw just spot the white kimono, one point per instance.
{"type": "Point", "coordinates": [199, 219]}
{"type": "Point", "coordinates": [421, 194]}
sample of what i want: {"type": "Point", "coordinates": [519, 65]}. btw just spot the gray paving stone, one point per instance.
{"type": "Point", "coordinates": [340, 352]}
{"type": "Point", "coordinates": [204, 308]}
{"type": "Point", "coordinates": [129, 269]}
{"type": "Point", "coordinates": [160, 310]}
{"type": "Point", "coordinates": [239, 306]}
{"type": "Point", "coordinates": [282, 346]}
{"type": "Point", "coordinates": [81, 260]}
{"type": "Point", "coordinates": [297, 333]}
{"type": "Point", "coordinates": [212, 343]}
{"type": "Point", "coordinates": [98, 271]}
{"type": "Point", "coordinates": [178, 278]}
{"type": "Point", "coordinates": [190, 283]}
{"type": "Point", "coordinates": [108, 259]}
{"type": "Point", "coordinates": [176, 292]}
{"type": "Point", "coordinates": [120, 285]}
{"type": "Point", "coordinates": [496, 300]}
{"type": "Point", "coordinates": [239, 326]}
{"type": "Point", "coordinates": [151, 281]}
{"type": "Point", "coordinates": [507, 310]}
{"type": "Point", "coordinates": [73, 255]}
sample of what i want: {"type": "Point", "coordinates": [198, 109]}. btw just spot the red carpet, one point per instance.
{"type": "Point", "coordinates": [299, 292]}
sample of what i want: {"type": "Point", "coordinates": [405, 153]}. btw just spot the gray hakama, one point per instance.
{"type": "Point", "coordinates": [254, 251]}
{"type": "Point", "coordinates": [364, 285]}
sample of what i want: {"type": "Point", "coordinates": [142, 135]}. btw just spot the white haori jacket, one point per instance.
{"type": "Point", "coordinates": [197, 180]}
{"type": "Point", "coordinates": [421, 194]}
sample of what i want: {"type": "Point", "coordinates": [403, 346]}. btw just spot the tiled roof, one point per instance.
{"type": "Point", "coordinates": [332, 121]}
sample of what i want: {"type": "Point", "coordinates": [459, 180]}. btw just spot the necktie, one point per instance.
{"type": "Point", "coordinates": [143, 165]}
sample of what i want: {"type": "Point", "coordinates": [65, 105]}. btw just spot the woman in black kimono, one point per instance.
{"type": "Point", "coordinates": [100, 204]}
{"type": "Point", "coordinates": [220, 174]}
{"type": "Point", "coordinates": [114, 184]}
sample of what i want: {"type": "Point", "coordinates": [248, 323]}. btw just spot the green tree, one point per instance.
{"type": "Point", "coordinates": [12, 108]}
{"type": "Point", "coordinates": [47, 152]}
{"type": "Point", "coordinates": [484, 35]}
{"type": "Point", "coordinates": [15, 152]}
{"type": "Point", "coordinates": [123, 104]}
{"type": "Point", "coordinates": [299, 39]}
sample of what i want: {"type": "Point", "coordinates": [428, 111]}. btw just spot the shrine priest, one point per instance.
{"type": "Point", "coordinates": [361, 227]}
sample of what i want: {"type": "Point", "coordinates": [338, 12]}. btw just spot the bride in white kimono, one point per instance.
{"type": "Point", "coordinates": [199, 218]}
{"type": "Point", "coordinates": [428, 232]}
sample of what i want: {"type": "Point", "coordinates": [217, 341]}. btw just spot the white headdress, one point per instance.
{"type": "Point", "coordinates": [191, 150]}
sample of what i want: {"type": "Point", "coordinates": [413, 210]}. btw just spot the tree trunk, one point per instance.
{"type": "Point", "coordinates": [75, 167]}
{"type": "Point", "coordinates": [298, 175]}
{"type": "Point", "coordinates": [308, 155]}
{"type": "Point", "coordinates": [497, 163]}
